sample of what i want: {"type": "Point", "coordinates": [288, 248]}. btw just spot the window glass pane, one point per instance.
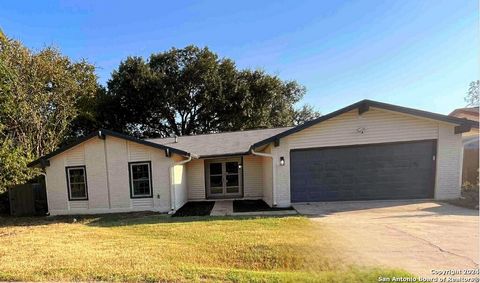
{"type": "Point", "coordinates": [215, 168]}
{"type": "Point", "coordinates": [78, 191]}
{"type": "Point", "coordinates": [77, 175]}
{"type": "Point", "coordinates": [216, 190]}
{"type": "Point", "coordinates": [232, 167]}
{"type": "Point", "coordinates": [215, 181]}
{"type": "Point", "coordinates": [231, 190]}
{"type": "Point", "coordinates": [141, 187]}
{"type": "Point", "coordinates": [232, 180]}
{"type": "Point", "coordinates": [140, 171]}
{"type": "Point", "coordinates": [140, 179]}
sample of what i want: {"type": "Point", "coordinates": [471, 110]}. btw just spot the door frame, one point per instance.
{"type": "Point", "coordinates": [241, 175]}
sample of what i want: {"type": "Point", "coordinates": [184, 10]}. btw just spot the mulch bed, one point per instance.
{"type": "Point", "coordinates": [255, 205]}
{"type": "Point", "coordinates": [195, 208]}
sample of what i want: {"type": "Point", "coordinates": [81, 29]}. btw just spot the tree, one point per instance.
{"type": "Point", "coordinates": [40, 95]}
{"type": "Point", "coordinates": [472, 94]}
{"type": "Point", "coordinates": [191, 91]}
{"type": "Point", "coordinates": [304, 114]}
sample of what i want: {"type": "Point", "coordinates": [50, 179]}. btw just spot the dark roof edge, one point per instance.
{"type": "Point", "coordinates": [224, 155]}
{"type": "Point", "coordinates": [369, 103]}
{"type": "Point", "coordinates": [107, 133]}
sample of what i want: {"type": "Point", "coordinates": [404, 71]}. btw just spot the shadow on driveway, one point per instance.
{"type": "Point", "coordinates": [428, 207]}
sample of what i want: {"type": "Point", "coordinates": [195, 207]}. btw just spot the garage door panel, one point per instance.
{"type": "Point", "coordinates": [385, 171]}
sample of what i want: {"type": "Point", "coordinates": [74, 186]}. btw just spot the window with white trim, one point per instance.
{"type": "Point", "coordinates": [77, 183]}
{"type": "Point", "coordinates": [140, 179]}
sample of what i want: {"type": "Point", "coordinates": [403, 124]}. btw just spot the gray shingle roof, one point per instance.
{"type": "Point", "coordinates": [219, 143]}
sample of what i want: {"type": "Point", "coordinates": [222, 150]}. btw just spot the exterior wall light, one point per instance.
{"type": "Point", "coordinates": [282, 161]}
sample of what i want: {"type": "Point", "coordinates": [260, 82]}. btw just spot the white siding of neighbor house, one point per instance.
{"type": "Point", "coordinates": [380, 127]}
{"type": "Point", "coordinates": [106, 163]}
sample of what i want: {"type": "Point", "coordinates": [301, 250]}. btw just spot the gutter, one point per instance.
{"type": "Point", "coordinates": [172, 181]}
{"type": "Point", "coordinates": [274, 173]}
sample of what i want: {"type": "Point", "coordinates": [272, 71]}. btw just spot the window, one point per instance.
{"type": "Point", "coordinates": [140, 180]}
{"type": "Point", "coordinates": [77, 183]}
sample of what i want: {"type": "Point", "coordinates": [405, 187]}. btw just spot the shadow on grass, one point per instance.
{"type": "Point", "coordinates": [118, 219]}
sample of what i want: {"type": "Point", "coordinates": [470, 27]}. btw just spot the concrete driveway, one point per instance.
{"type": "Point", "coordinates": [417, 236]}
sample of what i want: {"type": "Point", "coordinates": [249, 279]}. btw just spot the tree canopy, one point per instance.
{"type": "Point", "coordinates": [191, 91]}
{"type": "Point", "coordinates": [41, 93]}
{"type": "Point", "coordinates": [46, 100]}
{"type": "Point", "coordinates": [472, 94]}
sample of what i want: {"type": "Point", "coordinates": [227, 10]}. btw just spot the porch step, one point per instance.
{"type": "Point", "coordinates": [222, 208]}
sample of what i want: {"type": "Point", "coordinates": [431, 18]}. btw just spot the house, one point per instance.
{"type": "Point", "coordinates": [366, 151]}
{"type": "Point", "coordinates": [470, 145]}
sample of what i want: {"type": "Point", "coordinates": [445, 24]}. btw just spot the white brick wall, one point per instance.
{"type": "Point", "coordinates": [118, 153]}
{"type": "Point", "coordinates": [449, 149]}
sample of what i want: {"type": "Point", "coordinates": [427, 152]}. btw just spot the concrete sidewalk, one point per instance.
{"type": "Point", "coordinates": [222, 208]}
{"type": "Point", "coordinates": [225, 208]}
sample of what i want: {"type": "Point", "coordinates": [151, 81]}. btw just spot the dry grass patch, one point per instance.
{"type": "Point", "coordinates": [152, 247]}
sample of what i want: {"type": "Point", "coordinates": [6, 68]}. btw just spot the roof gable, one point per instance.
{"type": "Point", "coordinates": [463, 125]}
{"type": "Point", "coordinates": [43, 161]}
{"type": "Point", "coordinates": [219, 144]}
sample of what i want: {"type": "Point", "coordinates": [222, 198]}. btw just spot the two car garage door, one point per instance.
{"type": "Point", "coordinates": [367, 172]}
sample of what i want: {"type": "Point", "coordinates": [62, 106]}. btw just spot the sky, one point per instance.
{"type": "Point", "coordinates": [420, 54]}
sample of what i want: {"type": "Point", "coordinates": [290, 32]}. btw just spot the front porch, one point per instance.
{"type": "Point", "coordinates": [229, 178]}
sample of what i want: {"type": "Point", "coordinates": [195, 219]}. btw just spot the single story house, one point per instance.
{"type": "Point", "coordinates": [470, 141]}
{"type": "Point", "coordinates": [366, 151]}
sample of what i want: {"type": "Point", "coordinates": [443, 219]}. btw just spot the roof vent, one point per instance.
{"type": "Point", "coordinates": [176, 138]}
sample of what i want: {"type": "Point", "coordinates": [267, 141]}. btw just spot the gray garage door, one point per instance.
{"type": "Point", "coordinates": [383, 171]}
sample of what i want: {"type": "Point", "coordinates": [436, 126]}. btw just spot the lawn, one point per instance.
{"type": "Point", "coordinates": [153, 247]}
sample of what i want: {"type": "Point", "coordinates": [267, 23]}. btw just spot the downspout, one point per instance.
{"type": "Point", "coordinates": [172, 181]}
{"type": "Point", "coordinates": [274, 172]}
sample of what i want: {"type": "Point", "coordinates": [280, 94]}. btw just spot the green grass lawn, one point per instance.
{"type": "Point", "coordinates": [153, 247]}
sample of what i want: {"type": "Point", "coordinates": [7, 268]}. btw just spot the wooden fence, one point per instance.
{"type": "Point", "coordinates": [28, 200]}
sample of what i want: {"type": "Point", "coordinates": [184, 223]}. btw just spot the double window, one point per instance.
{"type": "Point", "coordinates": [140, 179]}
{"type": "Point", "coordinates": [140, 176]}
{"type": "Point", "coordinates": [77, 183]}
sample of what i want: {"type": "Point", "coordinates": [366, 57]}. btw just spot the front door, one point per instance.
{"type": "Point", "coordinates": [223, 178]}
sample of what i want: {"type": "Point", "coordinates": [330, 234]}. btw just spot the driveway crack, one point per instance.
{"type": "Point", "coordinates": [431, 244]}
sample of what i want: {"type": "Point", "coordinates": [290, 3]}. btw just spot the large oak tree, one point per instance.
{"type": "Point", "coordinates": [191, 91]}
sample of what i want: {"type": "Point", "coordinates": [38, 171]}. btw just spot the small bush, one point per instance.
{"type": "Point", "coordinates": [469, 187]}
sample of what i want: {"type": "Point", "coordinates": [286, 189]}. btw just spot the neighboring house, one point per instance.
{"type": "Point", "coordinates": [470, 142]}
{"type": "Point", "coordinates": [366, 151]}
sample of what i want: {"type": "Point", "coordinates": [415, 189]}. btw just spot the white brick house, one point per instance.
{"type": "Point", "coordinates": [368, 150]}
